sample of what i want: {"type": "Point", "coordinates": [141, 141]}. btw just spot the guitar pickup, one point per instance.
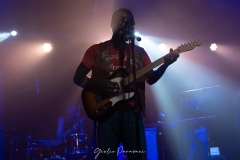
{"type": "Point", "coordinates": [103, 107]}
{"type": "Point", "coordinates": [99, 97]}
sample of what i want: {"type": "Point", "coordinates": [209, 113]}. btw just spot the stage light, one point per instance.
{"type": "Point", "coordinates": [4, 36]}
{"type": "Point", "coordinates": [213, 47]}
{"type": "Point", "coordinates": [14, 33]}
{"type": "Point", "coordinates": [47, 47]}
{"type": "Point", "coordinates": [162, 47]}
{"type": "Point", "coordinates": [137, 34]}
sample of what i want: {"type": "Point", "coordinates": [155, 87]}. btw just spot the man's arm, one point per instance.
{"type": "Point", "coordinates": [81, 79]}
{"type": "Point", "coordinates": [153, 76]}
{"type": "Point", "coordinates": [60, 132]}
{"type": "Point", "coordinates": [81, 125]}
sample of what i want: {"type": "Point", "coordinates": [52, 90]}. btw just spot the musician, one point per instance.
{"type": "Point", "coordinates": [72, 122]}
{"type": "Point", "coordinates": [104, 59]}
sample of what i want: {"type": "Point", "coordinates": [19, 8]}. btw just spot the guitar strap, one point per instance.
{"type": "Point", "coordinates": [128, 59]}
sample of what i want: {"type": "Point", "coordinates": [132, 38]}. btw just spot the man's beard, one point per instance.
{"type": "Point", "coordinates": [121, 34]}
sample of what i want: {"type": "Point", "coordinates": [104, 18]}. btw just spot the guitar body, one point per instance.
{"type": "Point", "coordinates": [99, 105]}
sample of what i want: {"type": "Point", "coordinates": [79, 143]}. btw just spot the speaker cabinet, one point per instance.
{"type": "Point", "coordinates": [152, 147]}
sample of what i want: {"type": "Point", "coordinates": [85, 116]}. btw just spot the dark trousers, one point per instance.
{"type": "Point", "coordinates": [120, 127]}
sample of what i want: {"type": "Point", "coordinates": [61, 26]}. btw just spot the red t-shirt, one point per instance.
{"type": "Point", "coordinates": [116, 59]}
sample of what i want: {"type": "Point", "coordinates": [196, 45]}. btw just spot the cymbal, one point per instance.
{"type": "Point", "coordinates": [78, 134]}
{"type": "Point", "coordinates": [51, 141]}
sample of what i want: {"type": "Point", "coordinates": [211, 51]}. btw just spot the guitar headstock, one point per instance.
{"type": "Point", "coordinates": [188, 46]}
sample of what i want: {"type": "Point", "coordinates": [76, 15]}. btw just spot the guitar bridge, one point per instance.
{"type": "Point", "coordinates": [104, 107]}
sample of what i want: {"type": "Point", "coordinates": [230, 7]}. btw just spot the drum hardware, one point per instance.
{"type": "Point", "coordinates": [34, 153]}
{"type": "Point", "coordinates": [50, 142]}
{"type": "Point", "coordinates": [24, 147]}
{"type": "Point", "coordinates": [13, 149]}
{"type": "Point", "coordinates": [53, 147]}
{"type": "Point", "coordinates": [77, 150]}
{"type": "Point", "coordinates": [36, 150]}
{"type": "Point", "coordinates": [50, 148]}
{"type": "Point", "coordinates": [55, 157]}
{"type": "Point", "coordinates": [29, 143]}
{"type": "Point", "coordinates": [76, 139]}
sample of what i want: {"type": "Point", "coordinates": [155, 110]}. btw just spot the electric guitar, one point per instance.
{"type": "Point", "coordinates": [98, 104]}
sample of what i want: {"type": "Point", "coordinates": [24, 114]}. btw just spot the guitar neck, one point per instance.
{"type": "Point", "coordinates": [183, 48]}
{"type": "Point", "coordinates": [143, 71]}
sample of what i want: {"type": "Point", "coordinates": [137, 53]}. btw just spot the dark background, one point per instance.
{"type": "Point", "coordinates": [72, 26]}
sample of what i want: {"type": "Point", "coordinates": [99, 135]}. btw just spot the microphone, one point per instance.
{"type": "Point", "coordinates": [128, 26]}
{"type": "Point", "coordinates": [138, 38]}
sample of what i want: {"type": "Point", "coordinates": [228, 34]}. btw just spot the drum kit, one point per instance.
{"type": "Point", "coordinates": [72, 147]}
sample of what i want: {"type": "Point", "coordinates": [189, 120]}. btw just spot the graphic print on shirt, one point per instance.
{"type": "Point", "coordinates": [117, 62]}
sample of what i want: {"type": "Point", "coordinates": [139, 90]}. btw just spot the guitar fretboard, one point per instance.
{"type": "Point", "coordinates": [183, 48]}
{"type": "Point", "coordinates": [143, 71]}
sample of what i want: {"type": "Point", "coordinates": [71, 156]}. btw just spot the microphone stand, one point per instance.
{"type": "Point", "coordinates": [131, 37]}
{"type": "Point", "coordinates": [77, 134]}
{"type": "Point", "coordinates": [29, 145]}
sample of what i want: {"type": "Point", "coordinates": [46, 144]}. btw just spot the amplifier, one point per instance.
{"type": "Point", "coordinates": [152, 147]}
